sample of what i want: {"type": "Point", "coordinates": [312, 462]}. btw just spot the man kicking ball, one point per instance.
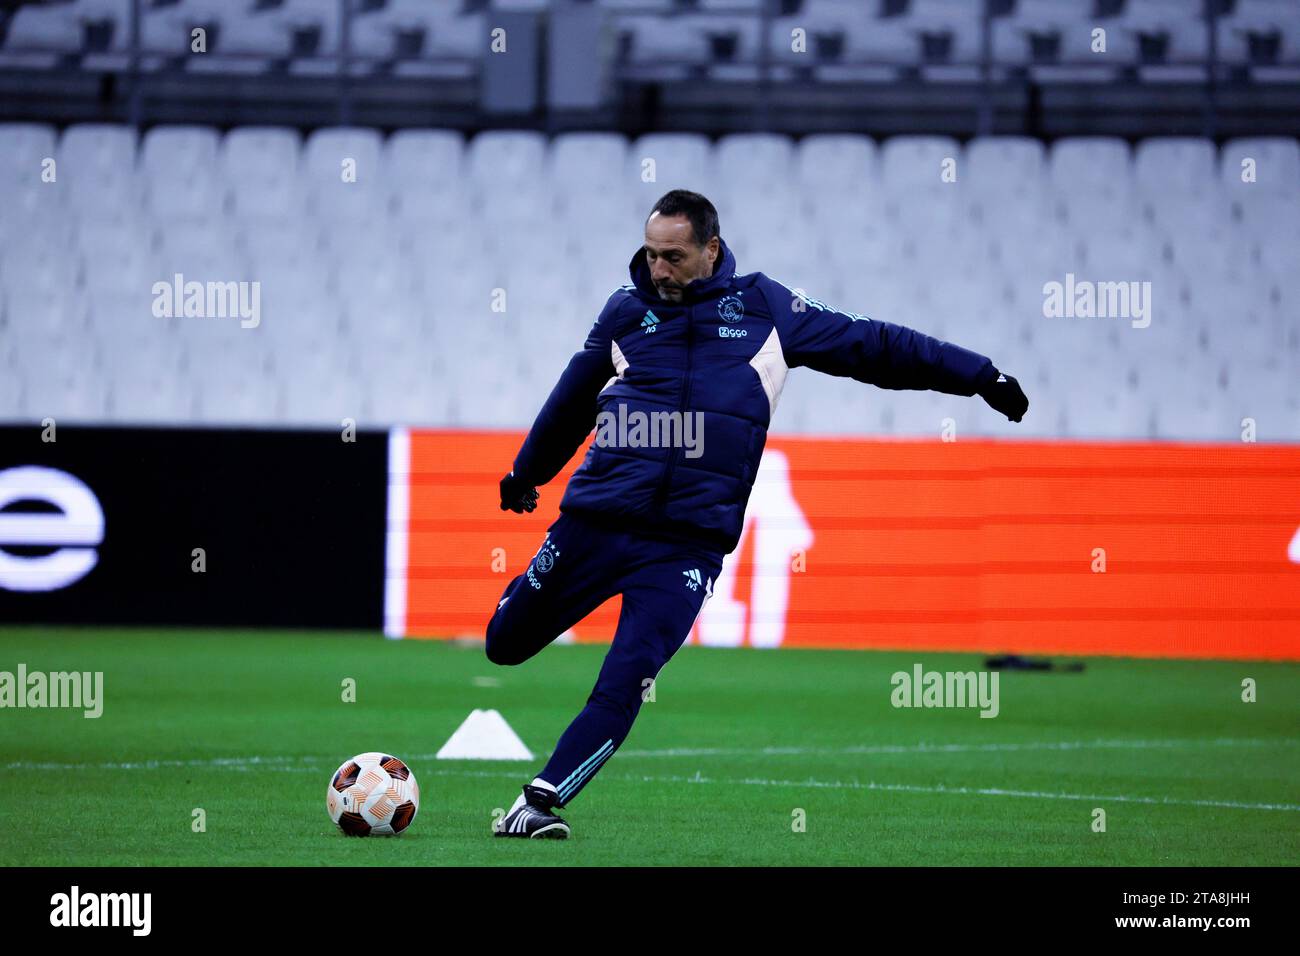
{"type": "Point", "coordinates": [689, 340]}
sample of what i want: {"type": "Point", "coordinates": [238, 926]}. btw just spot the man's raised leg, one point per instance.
{"type": "Point", "coordinates": [566, 580]}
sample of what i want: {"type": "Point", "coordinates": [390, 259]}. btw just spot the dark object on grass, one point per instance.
{"type": "Point", "coordinates": [1014, 662]}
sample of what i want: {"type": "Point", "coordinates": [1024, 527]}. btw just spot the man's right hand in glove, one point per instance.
{"type": "Point", "coordinates": [516, 496]}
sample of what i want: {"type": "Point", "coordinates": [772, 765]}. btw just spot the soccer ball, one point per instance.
{"type": "Point", "coordinates": [372, 793]}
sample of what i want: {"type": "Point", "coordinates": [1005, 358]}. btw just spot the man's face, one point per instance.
{"type": "Point", "coordinates": [674, 257]}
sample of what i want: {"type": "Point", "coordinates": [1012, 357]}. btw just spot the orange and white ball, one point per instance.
{"type": "Point", "coordinates": [373, 794]}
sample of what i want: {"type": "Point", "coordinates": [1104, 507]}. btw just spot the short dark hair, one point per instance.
{"type": "Point", "coordinates": [698, 210]}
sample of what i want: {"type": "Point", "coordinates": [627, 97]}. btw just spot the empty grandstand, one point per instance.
{"type": "Point", "coordinates": [377, 253]}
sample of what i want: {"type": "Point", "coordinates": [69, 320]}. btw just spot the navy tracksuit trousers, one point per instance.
{"type": "Point", "coordinates": [580, 566]}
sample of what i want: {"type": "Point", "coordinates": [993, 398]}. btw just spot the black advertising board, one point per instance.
{"type": "Point", "coordinates": [207, 527]}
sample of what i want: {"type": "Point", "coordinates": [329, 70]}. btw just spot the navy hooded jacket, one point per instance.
{"type": "Point", "coordinates": [722, 352]}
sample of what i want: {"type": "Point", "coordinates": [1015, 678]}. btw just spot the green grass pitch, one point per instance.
{"type": "Point", "coordinates": [249, 727]}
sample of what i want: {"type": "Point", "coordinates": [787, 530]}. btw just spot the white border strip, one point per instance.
{"type": "Point", "coordinates": [397, 536]}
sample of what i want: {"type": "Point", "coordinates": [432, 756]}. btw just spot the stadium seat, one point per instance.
{"type": "Point", "coordinates": [1001, 165]}
{"type": "Point", "coordinates": [1260, 32]}
{"type": "Point", "coordinates": [268, 153]}
{"type": "Point", "coordinates": [832, 160]}
{"type": "Point", "coordinates": [179, 152]}
{"type": "Point", "coordinates": [916, 162]}
{"type": "Point", "coordinates": [326, 150]}
{"type": "Point", "coordinates": [510, 156]}
{"type": "Point", "coordinates": [663, 47]}
{"type": "Point", "coordinates": [755, 162]}
{"type": "Point", "coordinates": [1274, 163]}
{"type": "Point", "coordinates": [38, 35]}
{"type": "Point", "coordinates": [1091, 164]}
{"type": "Point", "coordinates": [1174, 164]}
{"type": "Point", "coordinates": [168, 30]}
{"type": "Point", "coordinates": [98, 151]}
{"type": "Point", "coordinates": [674, 160]}
{"type": "Point", "coordinates": [588, 163]}
{"type": "Point", "coordinates": [429, 159]}
{"type": "Point", "coordinates": [23, 148]}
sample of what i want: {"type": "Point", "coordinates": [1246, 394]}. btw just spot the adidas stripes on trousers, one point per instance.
{"type": "Point", "coordinates": [579, 566]}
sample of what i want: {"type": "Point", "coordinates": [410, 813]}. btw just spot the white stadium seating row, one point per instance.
{"type": "Point", "coordinates": [449, 283]}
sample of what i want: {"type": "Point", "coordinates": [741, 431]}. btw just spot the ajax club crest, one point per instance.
{"type": "Point", "coordinates": [543, 562]}
{"type": "Point", "coordinates": [731, 309]}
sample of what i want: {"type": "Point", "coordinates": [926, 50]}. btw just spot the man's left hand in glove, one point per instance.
{"type": "Point", "coordinates": [1004, 394]}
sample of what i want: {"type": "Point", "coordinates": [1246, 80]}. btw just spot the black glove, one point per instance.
{"type": "Point", "coordinates": [1004, 394]}
{"type": "Point", "coordinates": [516, 496]}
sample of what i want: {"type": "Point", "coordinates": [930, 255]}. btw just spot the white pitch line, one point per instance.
{"type": "Point", "coordinates": [279, 762]}
{"type": "Point", "coordinates": [924, 748]}
{"type": "Point", "coordinates": [872, 785]}
{"type": "Point", "coordinates": [980, 792]}
{"type": "Point", "coordinates": [312, 765]}
{"type": "Point", "coordinates": [906, 788]}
